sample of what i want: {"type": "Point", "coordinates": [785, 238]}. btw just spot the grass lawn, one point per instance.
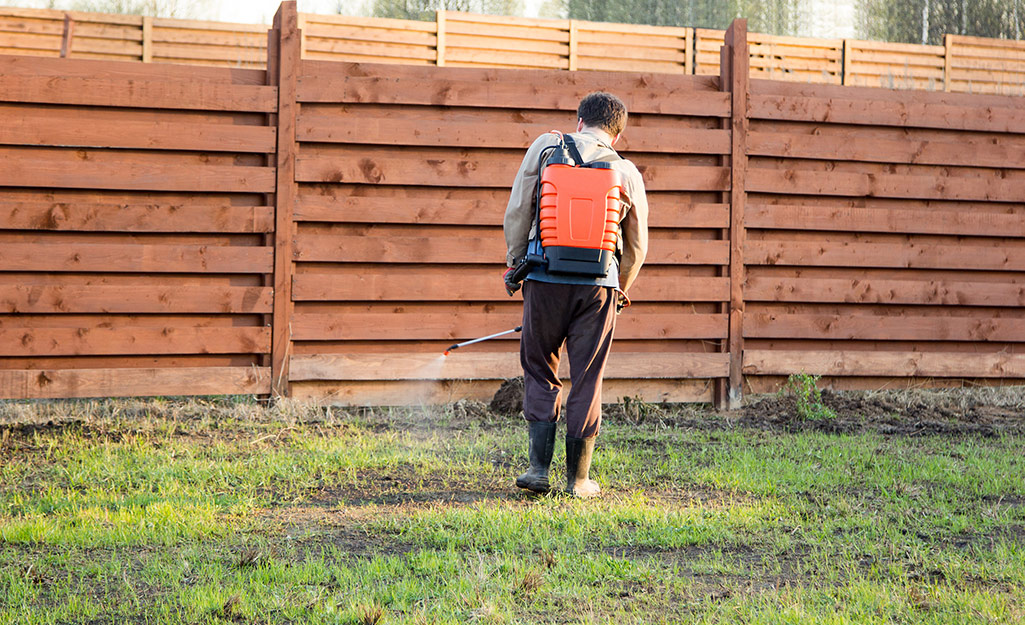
{"type": "Point", "coordinates": [228, 512]}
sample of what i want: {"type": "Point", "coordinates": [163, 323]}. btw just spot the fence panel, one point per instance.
{"type": "Point", "coordinates": [132, 229]}
{"type": "Point", "coordinates": [797, 59]}
{"type": "Point", "coordinates": [883, 236]}
{"type": "Point", "coordinates": [404, 175]}
{"type": "Point", "coordinates": [893, 65]}
{"type": "Point", "coordinates": [979, 65]}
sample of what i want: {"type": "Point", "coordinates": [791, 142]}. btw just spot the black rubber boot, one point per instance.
{"type": "Point", "coordinates": [578, 465]}
{"type": "Point", "coordinates": [542, 444]}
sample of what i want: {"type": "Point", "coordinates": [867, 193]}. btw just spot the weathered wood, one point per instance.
{"type": "Point", "coordinates": [357, 128]}
{"type": "Point", "coordinates": [529, 89]}
{"type": "Point", "coordinates": [933, 292]}
{"type": "Point", "coordinates": [424, 206]}
{"type": "Point", "coordinates": [857, 254]}
{"type": "Point", "coordinates": [845, 218]}
{"type": "Point", "coordinates": [66, 38]}
{"type": "Point", "coordinates": [959, 150]}
{"type": "Point", "coordinates": [88, 217]}
{"type": "Point", "coordinates": [735, 78]}
{"type": "Point", "coordinates": [920, 114]}
{"type": "Point", "coordinates": [135, 258]}
{"type": "Point", "coordinates": [421, 392]}
{"type": "Point", "coordinates": [382, 326]}
{"type": "Point", "coordinates": [128, 382]}
{"type": "Point", "coordinates": [473, 250]}
{"type": "Point", "coordinates": [833, 183]}
{"type": "Point", "coordinates": [480, 285]}
{"type": "Point", "coordinates": [882, 328]}
{"type": "Point", "coordinates": [63, 299]}
{"type": "Point", "coordinates": [902, 364]}
{"type": "Point", "coordinates": [489, 366]}
{"type": "Point", "coordinates": [54, 129]}
{"type": "Point", "coordinates": [204, 96]}
{"type": "Point", "coordinates": [83, 341]}
{"type": "Point", "coordinates": [71, 171]}
{"type": "Point", "coordinates": [287, 45]}
{"type": "Point", "coordinates": [483, 172]}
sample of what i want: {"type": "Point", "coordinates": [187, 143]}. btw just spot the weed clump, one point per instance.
{"type": "Point", "coordinates": [808, 396]}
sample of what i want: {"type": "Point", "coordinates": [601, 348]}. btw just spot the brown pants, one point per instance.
{"type": "Point", "coordinates": [582, 317]}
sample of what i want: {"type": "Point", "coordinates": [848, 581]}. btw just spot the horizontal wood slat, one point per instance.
{"type": "Point", "coordinates": [50, 129]}
{"type": "Point", "coordinates": [883, 328]}
{"type": "Point", "coordinates": [474, 250]}
{"type": "Point", "coordinates": [198, 95]}
{"type": "Point", "coordinates": [456, 326]}
{"type": "Point", "coordinates": [90, 217]}
{"type": "Point", "coordinates": [73, 172]}
{"type": "Point", "coordinates": [484, 171]}
{"type": "Point", "coordinates": [851, 147]}
{"type": "Point", "coordinates": [877, 291]}
{"type": "Point", "coordinates": [135, 299]}
{"type": "Point", "coordinates": [908, 255]}
{"type": "Point", "coordinates": [136, 258]}
{"type": "Point", "coordinates": [527, 89]}
{"type": "Point", "coordinates": [357, 128]}
{"type": "Point", "coordinates": [931, 187]}
{"type": "Point", "coordinates": [79, 383]}
{"type": "Point", "coordinates": [95, 341]}
{"type": "Point", "coordinates": [916, 114]}
{"type": "Point", "coordinates": [885, 364]}
{"type": "Point", "coordinates": [363, 285]}
{"type": "Point", "coordinates": [490, 366]}
{"type": "Point", "coordinates": [420, 208]}
{"type": "Point", "coordinates": [961, 223]}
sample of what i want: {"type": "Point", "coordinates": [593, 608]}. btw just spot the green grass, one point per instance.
{"type": "Point", "coordinates": [226, 512]}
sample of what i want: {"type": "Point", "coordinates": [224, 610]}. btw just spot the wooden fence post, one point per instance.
{"type": "Point", "coordinates": [573, 45]}
{"type": "Point", "coordinates": [69, 30]}
{"type": "Point", "coordinates": [440, 45]}
{"type": "Point", "coordinates": [734, 72]}
{"type": "Point", "coordinates": [283, 56]}
{"type": "Point", "coordinates": [948, 41]}
{"type": "Point", "coordinates": [147, 39]}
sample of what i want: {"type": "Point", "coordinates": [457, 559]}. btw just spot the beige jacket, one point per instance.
{"type": "Point", "coordinates": [594, 145]}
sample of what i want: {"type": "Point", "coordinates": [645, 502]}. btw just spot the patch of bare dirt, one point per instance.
{"type": "Point", "coordinates": [897, 413]}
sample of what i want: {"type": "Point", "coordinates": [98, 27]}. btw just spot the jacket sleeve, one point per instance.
{"type": "Point", "coordinates": [635, 232]}
{"type": "Point", "coordinates": [519, 214]}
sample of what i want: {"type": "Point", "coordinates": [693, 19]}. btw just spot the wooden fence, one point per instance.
{"type": "Point", "coordinates": [326, 229]}
{"type": "Point", "coordinates": [455, 39]}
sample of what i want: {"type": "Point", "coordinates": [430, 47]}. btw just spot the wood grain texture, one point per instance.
{"type": "Point", "coordinates": [911, 221]}
{"type": "Point", "coordinates": [198, 95]}
{"type": "Point", "coordinates": [66, 130]}
{"type": "Point", "coordinates": [71, 298]}
{"type": "Point", "coordinates": [73, 171]}
{"type": "Point", "coordinates": [80, 383]}
{"type": "Point", "coordinates": [91, 217]}
{"type": "Point", "coordinates": [873, 291]}
{"type": "Point", "coordinates": [96, 341]}
{"type": "Point", "coordinates": [910, 255]}
{"type": "Point", "coordinates": [384, 326]}
{"type": "Point", "coordinates": [901, 364]}
{"type": "Point", "coordinates": [879, 328]}
{"type": "Point", "coordinates": [933, 187]}
{"type": "Point", "coordinates": [135, 258]}
{"type": "Point", "coordinates": [485, 366]}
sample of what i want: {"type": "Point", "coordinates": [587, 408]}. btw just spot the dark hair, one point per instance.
{"type": "Point", "coordinates": [600, 109]}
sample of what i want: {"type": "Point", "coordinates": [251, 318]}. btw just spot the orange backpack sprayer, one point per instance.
{"type": "Point", "coordinates": [577, 213]}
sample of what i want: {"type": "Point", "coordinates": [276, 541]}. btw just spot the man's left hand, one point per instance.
{"type": "Point", "coordinates": [510, 286]}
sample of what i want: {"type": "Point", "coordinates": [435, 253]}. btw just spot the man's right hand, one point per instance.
{"type": "Point", "coordinates": [510, 286]}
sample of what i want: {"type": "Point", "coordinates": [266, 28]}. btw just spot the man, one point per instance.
{"type": "Point", "coordinates": [575, 310]}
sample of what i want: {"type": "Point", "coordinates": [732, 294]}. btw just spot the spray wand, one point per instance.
{"type": "Point", "coordinates": [483, 338]}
